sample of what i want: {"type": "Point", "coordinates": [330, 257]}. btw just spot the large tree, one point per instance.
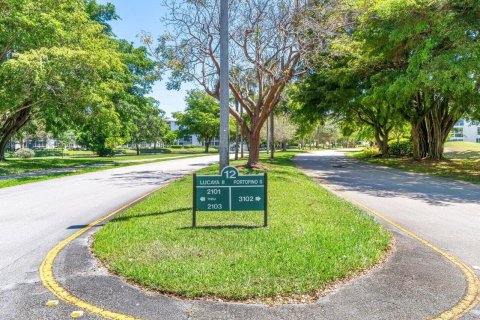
{"type": "Point", "coordinates": [60, 73]}
{"type": "Point", "coordinates": [284, 130]}
{"type": "Point", "coordinates": [349, 89]}
{"type": "Point", "coordinates": [432, 48]}
{"type": "Point", "coordinates": [267, 42]}
{"type": "Point", "coordinates": [149, 126]}
{"type": "Point", "coordinates": [414, 61]}
{"type": "Point", "coordinates": [201, 117]}
{"type": "Point", "coordinates": [132, 109]}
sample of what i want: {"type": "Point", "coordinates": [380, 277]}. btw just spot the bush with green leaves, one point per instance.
{"type": "Point", "coordinates": [371, 152]}
{"type": "Point", "coordinates": [49, 153]}
{"type": "Point", "coordinates": [182, 146]}
{"type": "Point", "coordinates": [401, 149]}
{"type": "Point", "coordinates": [24, 153]}
{"type": "Point", "coordinates": [120, 151]}
{"type": "Point", "coordinates": [154, 151]}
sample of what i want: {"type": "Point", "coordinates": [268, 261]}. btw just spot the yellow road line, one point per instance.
{"type": "Point", "coordinates": [471, 297]}
{"type": "Point", "coordinates": [468, 302]}
{"type": "Point", "coordinates": [48, 279]}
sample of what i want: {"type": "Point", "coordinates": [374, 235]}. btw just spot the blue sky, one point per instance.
{"type": "Point", "coordinates": [145, 15]}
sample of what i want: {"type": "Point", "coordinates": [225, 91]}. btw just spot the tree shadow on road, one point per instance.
{"type": "Point", "coordinates": [352, 175]}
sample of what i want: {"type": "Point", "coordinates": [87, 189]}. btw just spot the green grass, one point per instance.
{"type": "Point", "coordinates": [19, 166]}
{"type": "Point", "coordinates": [462, 146]}
{"type": "Point", "coordinates": [313, 239]}
{"type": "Point", "coordinates": [194, 150]}
{"type": "Point", "coordinates": [149, 156]}
{"type": "Point", "coordinates": [460, 165]}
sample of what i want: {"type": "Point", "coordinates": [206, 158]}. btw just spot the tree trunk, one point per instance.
{"type": "Point", "coordinates": [138, 149]}
{"type": "Point", "coordinates": [419, 141]}
{"type": "Point", "coordinates": [381, 138]}
{"type": "Point", "coordinates": [268, 137]}
{"type": "Point", "coordinates": [284, 146]}
{"type": "Point", "coordinates": [207, 146]}
{"type": "Point", "coordinates": [382, 145]}
{"type": "Point", "coordinates": [155, 147]}
{"type": "Point", "coordinates": [253, 150]}
{"type": "Point", "coordinates": [434, 136]}
{"type": "Point", "coordinates": [438, 123]}
{"type": "Point", "coordinates": [430, 132]}
{"type": "Point", "coordinates": [10, 126]}
{"type": "Point", "coordinates": [272, 137]}
{"type": "Point", "coordinates": [252, 132]}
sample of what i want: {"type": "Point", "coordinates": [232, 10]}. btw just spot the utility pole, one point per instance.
{"type": "Point", "coordinates": [272, 136]}
{"type": "Point", "coordinates": [268, 136]}
{"type": "Point", "coordinates": [224, 91]}
{"type": "Point", "coordinates": [241, 135]}
{"type": "Point", "coordinates": [237, 133]}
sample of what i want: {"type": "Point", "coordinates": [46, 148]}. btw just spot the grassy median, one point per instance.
{"type": "Point", "coordinates": [314, 238]}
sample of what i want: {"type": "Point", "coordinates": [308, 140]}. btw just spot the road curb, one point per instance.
{"type": "Point", "coordinates": [471, 297]}
{"type": "Point", "coordinates": [46, 268]}
{"type": "Point", "coordinates": [47, 276]}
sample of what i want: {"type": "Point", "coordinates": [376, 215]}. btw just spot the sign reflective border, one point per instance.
{"type": "Point", "coordinates": [230, 191]}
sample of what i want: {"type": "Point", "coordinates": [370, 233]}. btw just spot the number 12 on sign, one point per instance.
{"type": "Point", "coordinates": [230, 192]}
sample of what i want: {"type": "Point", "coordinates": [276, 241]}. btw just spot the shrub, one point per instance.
{"type": "Point", "coordinates": [120, 151]}
{"type": "Point", "coordinates": [25, 153]}
{"type": "Point", "coordinates": [370, 152]}
{"type": "Point", "coordinates": [181, 146]}
{"type": "Point", "coordinates": [400, 149]}
{"type": "Point", "coordinates": [152, 151]}
{"type": "Point", "coordinates": [49, 153]}
{"type": "Point", "coordinates": [105, 152]}
{"type": "Point", "coordinates": [9, 154]}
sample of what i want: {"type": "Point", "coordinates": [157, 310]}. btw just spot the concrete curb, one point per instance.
{"type": "Point", "coordinates": [415, 283]}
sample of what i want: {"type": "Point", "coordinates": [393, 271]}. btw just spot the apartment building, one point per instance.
{"type": "Point", "coordinates": [191, 139]}
{"type": "Point", "coordinates": [464, 130]}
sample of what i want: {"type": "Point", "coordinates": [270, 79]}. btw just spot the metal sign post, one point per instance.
{"type": "Point", "coordinates": [224, 90]}
{"type": "Point", "coordinates": [230, 192]}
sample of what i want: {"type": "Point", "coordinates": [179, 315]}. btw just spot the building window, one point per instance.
{"type": "Point", "coordinates": [457, 132]}
{"type": "Point", "coordinates": [478, 131]}
{"type": "Point", "coordinates": [478, 140]}
{"type": "Point", "coordinates": [460, 123]}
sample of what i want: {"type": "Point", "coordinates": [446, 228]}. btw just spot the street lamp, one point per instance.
{"type": "Point", "coordinates": [224, 90]}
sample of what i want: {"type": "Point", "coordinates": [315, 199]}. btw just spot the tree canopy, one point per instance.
{"type": "Point", "coordinates": [401, 61]}
{"type": "Point", "coordinates": [201, 117]}
{"type": "Point", "coordinates": [61, 73]}
{"type": "Point", "coordinates": [70, 73]}
{"type": "Point", "coordinates": [267, 42]}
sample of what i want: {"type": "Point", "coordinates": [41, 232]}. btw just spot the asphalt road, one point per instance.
{"type": "Point", "coordinates": [35, 217]}
{"type": "Point", "coordinates": [442, 211]}
{"type": "Point", "coordinates": [414, 283]}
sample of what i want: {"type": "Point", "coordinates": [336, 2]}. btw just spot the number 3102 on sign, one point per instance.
{"type": "Point", "coordinates": [230, 191]}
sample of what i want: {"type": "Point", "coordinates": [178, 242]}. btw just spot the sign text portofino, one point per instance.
{"type": "Point", "coordinates": [230, 192]}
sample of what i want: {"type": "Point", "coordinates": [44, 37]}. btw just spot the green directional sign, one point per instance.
{"type": "Point", "coordinates": [230, 191]}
